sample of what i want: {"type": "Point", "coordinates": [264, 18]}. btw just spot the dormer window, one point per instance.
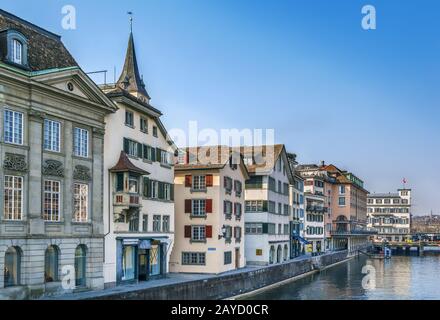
{"type": "Point", "coordinates": [14, 48]}
{"type": "Point", "coordinates": [17, 52]}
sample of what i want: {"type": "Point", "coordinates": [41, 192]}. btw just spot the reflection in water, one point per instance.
{"type": "Point", "coordinates": [402, 277]}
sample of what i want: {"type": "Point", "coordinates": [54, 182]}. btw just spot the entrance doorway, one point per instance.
{"type": "Point", "coordinates": [143, 265]}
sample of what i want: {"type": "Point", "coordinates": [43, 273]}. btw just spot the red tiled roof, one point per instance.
{"type": "Point", "coordinates": [124, 164]}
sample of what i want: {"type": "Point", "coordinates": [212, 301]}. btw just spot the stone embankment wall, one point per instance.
{"type": "Point", "coordinates": [230, 285]}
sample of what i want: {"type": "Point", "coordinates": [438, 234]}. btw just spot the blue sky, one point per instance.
{"type": "Point", "coordinates": [367, 101]}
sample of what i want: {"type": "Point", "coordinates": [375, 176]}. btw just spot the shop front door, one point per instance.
{"type": "Point", "coordinates": [143, 265]}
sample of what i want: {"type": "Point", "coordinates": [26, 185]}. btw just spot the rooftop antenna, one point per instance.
{"type": "Point", "coordinates": [130, 13]}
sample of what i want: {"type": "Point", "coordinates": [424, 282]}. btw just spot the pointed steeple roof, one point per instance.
{"type": "Point", "coordinates": [130, 79]}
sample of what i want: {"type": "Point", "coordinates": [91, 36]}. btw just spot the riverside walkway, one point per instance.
{"type": "Point", "coordinates": [172, 279]}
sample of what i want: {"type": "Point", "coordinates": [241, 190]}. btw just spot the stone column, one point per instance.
{"type": "Point", "coordinates": [36, 222]}
{"type": "Point", "coordinates": [68, 180]}
{"type": "Point", "coordinates": [98, 167]}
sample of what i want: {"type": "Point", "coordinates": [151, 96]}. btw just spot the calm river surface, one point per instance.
{"type": "Point", "coordinates": [402, 277]}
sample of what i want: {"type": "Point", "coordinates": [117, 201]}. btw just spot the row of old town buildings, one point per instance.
{"type": "Point", "coordinates": [90, 180]}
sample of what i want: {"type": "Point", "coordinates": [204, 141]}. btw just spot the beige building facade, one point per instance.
{"type": "Point", "coordinates": [209, 202]}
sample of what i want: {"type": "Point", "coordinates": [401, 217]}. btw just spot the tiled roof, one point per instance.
{"type": "Point", "coordinates": [45, 49]}
{"type": "Point", "coordinates": [124, 164]}
{"type": "Point", "coordinates": [209, 158]}
{"type": "Point", "coordinates": [264, 156]}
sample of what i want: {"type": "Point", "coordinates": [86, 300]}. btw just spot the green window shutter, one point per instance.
{"type": "Point", "coordinates": [126, 145]}
{"type": "Point", "coordinates": [265, 206]}
{"type": "Point", "coordinates": [265, 228]}
{"type": "Point", "coordinates": [147, 188]}
{"type": "Point", "coordinates": [153, 154]}
{"type": "Point", "coordinates": [161, 190]}
{"type": "Point", "coordinates": [172, 192]}
{"type": "Point", "coordinates": [158, 154]}
{"type": "Point", "coordinates": [119, 182]}
{"type": "Point", "coordinates": [145, 155]}
{"type": "Point", "coordinates": [139, 150]}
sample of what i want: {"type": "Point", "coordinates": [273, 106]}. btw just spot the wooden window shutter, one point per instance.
{"type": "Point", "coordinates": [208, 232]}
{"type": "Point", "coordinates": [126, 145]}
{"type": "Point", "coordinates": [188, 181]}
{"type": "Point", "coordinates": [209, 206]}
{"type": "Point", "coordinates": [161, 190]}
{"type": "Point", "coordinates": [187, 231]}
{"type": "Point", "coordinates": [188, 206]}
{"type": "Point", "coordinates": [265, 206]}
{"type": "Point", "coordinates": [145, 155]}
{"type": "Point", "coordinates": [139, 150]}
{"type": "Point", "coordinates": [147, 187]}
{"type": "Point", "coordinates": [209, 180]}
{"type": "Point", "coordinates": [120, 182]}
{"type": "Point", "coordinates": [158, 154]}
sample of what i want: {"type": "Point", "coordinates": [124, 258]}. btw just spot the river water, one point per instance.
{"type": "Point", "coordinates": [402, 277]}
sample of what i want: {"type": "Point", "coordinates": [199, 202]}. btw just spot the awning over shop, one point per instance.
{"type": "Point", "coordinates": [145, 244]}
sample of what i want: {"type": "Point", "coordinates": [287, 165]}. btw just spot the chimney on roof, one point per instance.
{"type": "Point", "coordinates": [322, 163]}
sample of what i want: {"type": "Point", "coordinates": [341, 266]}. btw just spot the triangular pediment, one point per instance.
{"type": "Point", "coordinates": [75, 82]}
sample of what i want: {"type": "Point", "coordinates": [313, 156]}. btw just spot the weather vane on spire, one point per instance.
{"type": "Point", "coordinates": [130, 13]}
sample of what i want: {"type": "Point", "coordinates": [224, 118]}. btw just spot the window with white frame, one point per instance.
{"type": "Point", "coordinates": [199, 182]}
{"type": "Point", "coordinates": [166, 224]}
{"type": "Point", "coordinates": [166, 157]}
{"type": "Point", "coordinates": [52, 135]}
{"type": "Point", "coordinates": [13, 198]}
{"type": "Point", "coordinates": [193, 258]}
{"type": "Point", "coordinates": [51, 210]}
{"type": "Point", "coordinates": [199, 207]}
{"type": "Point", "coordinates": [81, 202]}
{"type": "Point", "coordinates": [342, 201]}
{"type": "Point", "coordinates": [81, 142]}
{"type": "Point", "coordinates": [154, 189]}
{"type": "Point", "coordinates": [156, 223]}
{"type": "Point", "coordinates": [129, 118]}
{"type": "Point", "coordinates": [144, 125]}
{"type": "Point", "coordinates": [13, 127]}
{"type": "Point", "coordinates": [341, 189]}
{"type": "Point", "coordinates": [167, 191]}
{"type": "Point", "coordinates": [17, 52]}
{"type": "Point", "coordinates": [198, 233]}
{"type": "Point", "coordinates": [133, 184]}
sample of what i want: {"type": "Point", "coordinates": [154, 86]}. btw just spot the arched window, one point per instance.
{"type": "Point", "coordinates": [12, 268]}
{"type": "Point", "coordinates": [51, 258]}
{"type": "Point", "coordinates": [279, 254]}
{"type": "Point", "coordinates": [80, 265]}
{"type": "Point", "coordinates": [272, 255]}
{"type": "Point", "coordinates": [17, 51]}
{"type": "Point", "coordinates": [286, 252]}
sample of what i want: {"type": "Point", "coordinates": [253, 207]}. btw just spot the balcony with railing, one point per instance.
{"type": "Point", "coordinates": [127, 200]}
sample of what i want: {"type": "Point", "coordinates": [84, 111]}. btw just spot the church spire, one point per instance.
{"type": "Point", "coordinates": [130, 79]}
